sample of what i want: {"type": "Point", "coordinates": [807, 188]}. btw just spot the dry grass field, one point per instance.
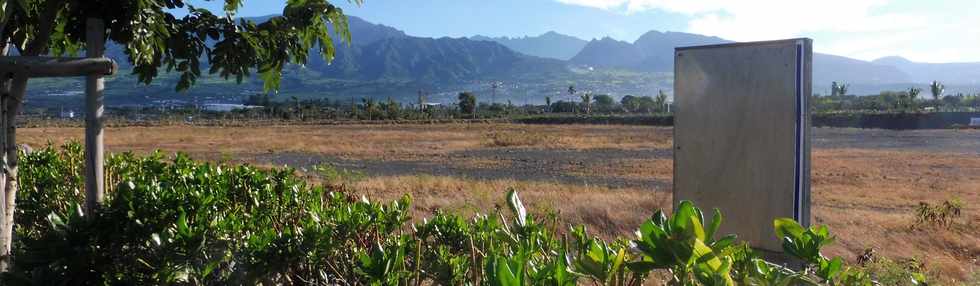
{"type": "Point", "coordinates": [866, 184]}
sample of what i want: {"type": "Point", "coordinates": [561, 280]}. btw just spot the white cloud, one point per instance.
{"type": "Point", "coordinates": [601, 4]}
{"type": "Point", "coordinates": [864, 29]}
{"type": "Point", "coordinates": [747, 20]}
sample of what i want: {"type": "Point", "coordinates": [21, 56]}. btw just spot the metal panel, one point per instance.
{"type": "Point", "coordinates": [741, 134]}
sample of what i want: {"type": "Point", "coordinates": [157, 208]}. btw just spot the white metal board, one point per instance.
{"type": "Point", "coordinates": [741, 134]}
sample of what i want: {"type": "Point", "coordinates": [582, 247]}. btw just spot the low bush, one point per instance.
{"type": "Point", "coordinates": [941, 215]}
{"type": "Point", "coordinates": [896, 273]}
{"type": "Point", "coordinates": [180, 222]}
{"type": "Point", "coordinates": [333, 175]}
{"type": "Point", "coordinates": [516, 139]}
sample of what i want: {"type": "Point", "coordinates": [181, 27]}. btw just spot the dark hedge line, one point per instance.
{"type": "Point", "coordinates": [895, 121]}
{"type": "Point", "coordinates": [652, 120]}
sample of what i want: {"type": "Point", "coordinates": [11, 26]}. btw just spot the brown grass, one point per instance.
{"type": "Point", "coordinates": [358, 141]}
{"type": "Point", "coordinates": [660, 169]}
{"type": "Point", "coordinates": [866, 197]}
{"type": "Point", "coordinates": [609, 212]}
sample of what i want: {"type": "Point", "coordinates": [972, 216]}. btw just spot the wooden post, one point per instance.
{"type": "Point", "coordinates": [94, 85]}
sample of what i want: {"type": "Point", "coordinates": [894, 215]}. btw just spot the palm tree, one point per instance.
{"type": "Point", "coordinates": [911, 96]}
{"type": "Point", "coordinates": [661, 101]}
{"type": "Point", "coordinates": [838, 89]}
{"type": "Point", "coordinates": [493, 95]}
{"type": "Point", "coordinates": [587, 102]}
{"type": "Point", "coordinates": [937, 90]}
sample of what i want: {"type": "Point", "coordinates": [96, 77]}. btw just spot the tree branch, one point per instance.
{"type": "Point", "coordinates": [40, 43]}
{"type": "Point", "coordinates": [56, 67]}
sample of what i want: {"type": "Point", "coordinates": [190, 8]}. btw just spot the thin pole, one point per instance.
{"type": "Point", "coordinates": [94, 148]}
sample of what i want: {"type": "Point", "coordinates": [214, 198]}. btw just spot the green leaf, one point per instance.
{"type": "Point", "coordinates": [715, 224]}
{"type": "Point", "coordinates": [919, 279]}
{"type": "Point", "coordinates": [517, 207]}
{"type": "Point", "coordinates": [788, 227]}
{"type": "Point", "coordinates": [55, 221]}
{"type": "Point", "coordinates": [182, 227]}
{"type": "Point", "coordinates": [703, 254]}
{"type": "Point", "coordinates": [505, 276]}
{"type": "Point", "coordinates": [684, 221]}
{"type": "Point", "coordinates": [724, 242]}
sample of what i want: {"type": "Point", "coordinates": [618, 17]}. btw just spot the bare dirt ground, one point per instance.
{"type": "Point", "coordinates": [866, 183]}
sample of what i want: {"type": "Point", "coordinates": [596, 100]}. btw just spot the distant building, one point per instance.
{"type": "Point", "coordinates": [225, 107]}
{"type": "Point", "coordinates": [67, 114]}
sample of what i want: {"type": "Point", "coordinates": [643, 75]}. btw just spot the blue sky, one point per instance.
{"type": "Point", "coordinates": [928, 31]}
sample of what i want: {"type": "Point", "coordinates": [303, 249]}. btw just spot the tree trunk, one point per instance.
{"type": "Point", "coordinates": [5, 236]}
{"type": "Point", "coordinates": [5, 240]}
{"type": "Point", "coordinates": [11, 104]}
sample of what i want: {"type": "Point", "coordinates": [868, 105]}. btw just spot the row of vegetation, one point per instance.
{"type": "Point", "coordinates": [909, 100]}
{"type": "Point", "coordinates": [470, 106]}
{"type": "Point", "coordinates": [177, 221]}
{"type": "Point", "coordinates": [467, 105]}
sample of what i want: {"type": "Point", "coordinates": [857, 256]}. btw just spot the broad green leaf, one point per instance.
{"type": "Point", "coordinates": [788, 227]}
{"type": "Point", "coordinates": [514, 201]}
{"type": "Point", "coordinates": [715, 224]}
{"type": "Point", "coordinates": [505, 276]}
{"type": "Point", "coordinates": [682, 219]}
{"type": "Point", "coordinates": [703, 254]}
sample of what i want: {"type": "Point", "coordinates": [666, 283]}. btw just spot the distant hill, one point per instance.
{"type": "Point", "coordinates": [443, 60]}
{"type": "Point", "coordinates": [364, 32]}
{"type": "Point", "coordinates": [654, 52]}
{"type": "Point", "coordinates": [383, 61]}
{"type": "Point", "coordinates": [548, 45]}
{"type": "Point", "coordinates": [609, 53]}
{"type": "Point", "coordinates": [659, 48]}
{"type": "Point", "coordinates": [950, 73]}
{"type": "Point", "coordinates": [381, 52]}
{"type": "Point", "coordinates": [829, 68]}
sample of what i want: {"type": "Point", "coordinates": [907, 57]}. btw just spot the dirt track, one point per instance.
{"type": "Point", "coordinates": [966, 142]}
{"type": "Point", "coordinates": [570, 165]}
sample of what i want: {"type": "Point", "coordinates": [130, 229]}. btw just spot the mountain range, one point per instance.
{"type": "Point", "coordinates": [381, 52]}
{"type": "Point", "coordinates": [384, 61]}
{"type": "Point", "coordinates": [651, 52]}
{"type": "Point", "coordinates": [547, 45]}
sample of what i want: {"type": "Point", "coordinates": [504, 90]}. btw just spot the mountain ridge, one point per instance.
{"type": "Point", "coordinates": [550, 44]}
{"type": "Point", "coordinates": [950, 73]}
{"type": "Point", "coordinates": [384, 61]}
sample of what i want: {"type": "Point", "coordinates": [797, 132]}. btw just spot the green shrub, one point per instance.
{"type": "Point", "coordinates": [942, 215]}
{"type": "Point", "coordinates": [338, 176]}
{"type": "Point", "coordinates": [896, 273]}
{"type": "Point", "coordinates": [516, 139]}
{"type": "Point", "coordinates": [180, 222]}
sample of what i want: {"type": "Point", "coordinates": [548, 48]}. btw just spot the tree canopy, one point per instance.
{"type": "Point", "coordinates": [467, 102]}
{"type": "Point", "coordinates": [155, 38]}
